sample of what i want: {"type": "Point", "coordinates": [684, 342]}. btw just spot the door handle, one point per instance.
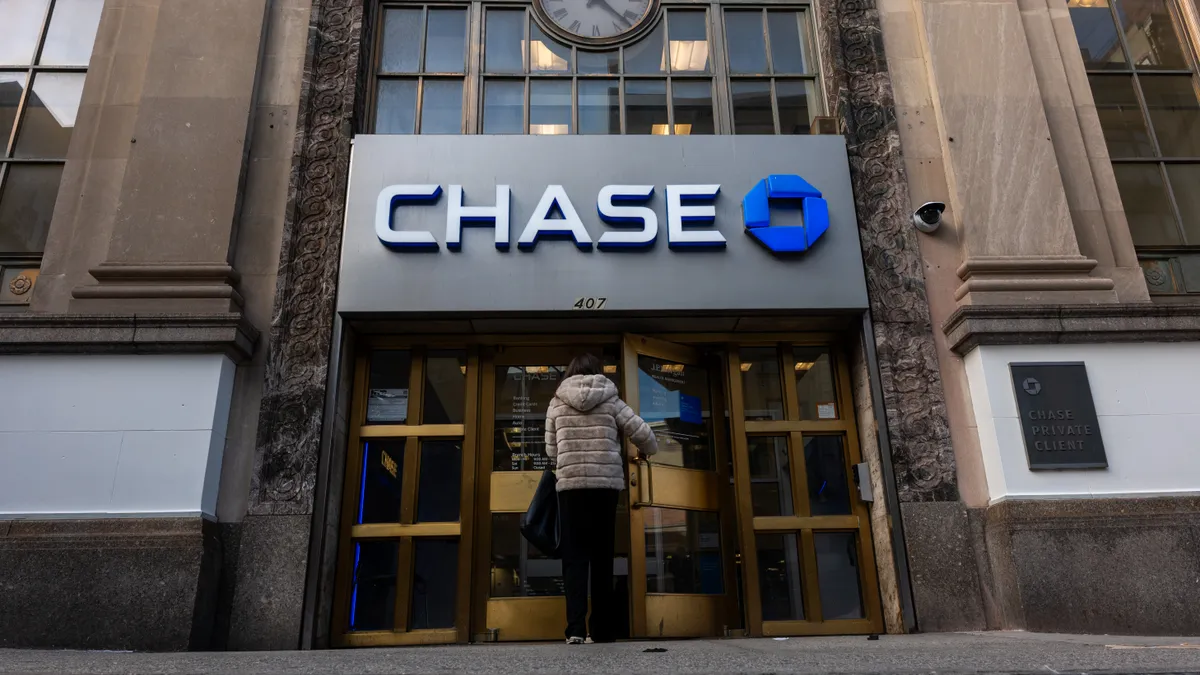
{"type": "Point", "coordinates": [642, 479]}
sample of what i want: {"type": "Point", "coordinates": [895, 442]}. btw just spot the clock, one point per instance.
{"type": "Point", "coordinates": [598, 22]}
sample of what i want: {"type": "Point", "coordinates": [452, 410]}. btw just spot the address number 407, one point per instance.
{"type": "Point", "coordinates": [590, 303]}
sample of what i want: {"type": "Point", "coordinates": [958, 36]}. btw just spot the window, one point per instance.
{"type": "Point", "coordinates": [1143, 79]}
{"type": "Point", "coordinates": [680, 77]}
{"type": "Point", "coordinates": [45, 46]}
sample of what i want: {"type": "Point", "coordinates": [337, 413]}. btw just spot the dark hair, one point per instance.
{"type": "Point", "coordinates": [585, 364]}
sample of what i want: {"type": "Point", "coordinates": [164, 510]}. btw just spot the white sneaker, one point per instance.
{"type": "Point", "coordinates": [575, 640]}
{"type": "Point", "coordinates": [588, 640]}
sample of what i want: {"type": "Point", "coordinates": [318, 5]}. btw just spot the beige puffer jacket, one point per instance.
{"type": "Point", "coordinates": [583, 428]}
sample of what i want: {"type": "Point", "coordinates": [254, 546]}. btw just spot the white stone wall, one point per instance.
{"type": "Point", "coordinates": [1147, 399]}
{"type": "Point", "coordinates": [97, 435]}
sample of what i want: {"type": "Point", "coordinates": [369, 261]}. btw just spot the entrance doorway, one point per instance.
{"type": "Point", "coordinates": [747, 521]}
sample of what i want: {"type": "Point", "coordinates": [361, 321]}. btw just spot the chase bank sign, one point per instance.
{"type": "Point", "coordinates": [690, 216]}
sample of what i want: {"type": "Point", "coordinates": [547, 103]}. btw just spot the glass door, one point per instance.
{"type": "Point", "coordinates": [681, 562]}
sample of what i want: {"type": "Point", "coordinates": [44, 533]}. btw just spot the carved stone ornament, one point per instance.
{"type": "Point", "coordinates": [21, 285]}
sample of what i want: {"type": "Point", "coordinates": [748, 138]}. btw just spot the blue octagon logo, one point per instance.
{"type": "Point", "coordinates": [774, 189]}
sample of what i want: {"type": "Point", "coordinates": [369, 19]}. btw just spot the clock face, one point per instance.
{"type": "Point", "coordinates": [596, 19]}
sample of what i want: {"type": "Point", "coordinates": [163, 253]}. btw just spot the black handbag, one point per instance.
{"type": "Point", "coordinates": [540, 524]}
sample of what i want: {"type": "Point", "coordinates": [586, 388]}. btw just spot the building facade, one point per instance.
{"type": "Point", "coordinates": [287, 285]}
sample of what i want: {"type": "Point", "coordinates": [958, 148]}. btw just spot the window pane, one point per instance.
{"type": "Point", "coordinates": [518, 568]}
{"type": "Point", "coordinates": [648, 55]}
{"type": "Point", "coordinates": [20, 26]}
{"type": "Point", "coordinates": [1174, 113]}
{"type": "Point", "coordinates": [814, 384]}
{"type": "Point", "coordinates": [770, 476]}
{"type": "Point", "coordinates": [523, 393]}
{"type": "Point", "coordinates": [598, 62]}
{"type": "Point", "coordinates": [441, 107]}
{"type": "Point", "coordinates": [1147, 207]}
{"type": "Point", "coordinates": [503, 107]}
{"type": "Point", "coordinates": [380, 478]}
{"type": "Point", "coordinates": [1099, 43]}
{"type": "Point", "coordinates": [693, 107]}
{"type": "Point", "coordinates": [50, 115]}
{"type": "Point", "coordinates": [12, 85]}
{"type": "Point", "coordinates": [72, 33]}
{"type": "Point", "coordinates": [779, 577]}
{"type": "Point", "coordinates": [401, 41]}
{"type": "Point", "coordinates": [837, 575]}
{"type": "Point", "coordinates": [683, 551]}
{"type": "Point", "coordinates": [396, 111]}
{"type": "Point", "coordinates": [689, 41]}
{"type": "Point", "coordinates": [549, 107]}
{"type": "Point", "coordinates": [674, 400]}
{"type": "Point", "coordinates": [752, 108]}
{"type": "Point", "coordinates": [747, 48]}
{"type": "Point", "coordinates": [546, 55]}
{"type": "Point", "coordinates": [1120, 116]}
{"type": "Point", "coordinates": [435, 583]}
{"type": "Point", "coordinates": [795, 117]}
{"type": "Point", "coordinates": [787, 51]}
{"type": "Point", "coordinates": [445, 388]}
{"type": "Point", "coordinates": [1185, 181]}
{"type": "Point", "coordinates": [828, 488]}
{"type": "Point", "coordinates": [446, 42]}
{"type": "Point", "coordinates": [760, 383]}
{"type": "Point", "coordinates": [505, 35]}
{"type": "Point", "coordinates": [440, 481]}
{"type": "Point", "coordinates": [373, 601]}
{"type": "Point", "coordinates": [646, 107]}
{"type": "Point", "coordinates": [599, 107]}
{"type": "Point", "coordinates": [387, 398]}
{"type": "Point", "coordinates": [1151, 35]}
{"type": "Point", "coordinates": [26, 206]}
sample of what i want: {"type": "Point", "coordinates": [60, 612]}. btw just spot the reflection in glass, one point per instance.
{"type": "Point", "coordinates": [828, 488]}
{"type": "Point", "coordinates": [1099, 42]}
{"type": "Point", "coordinates": [693, 107]}
{"type": "Point", "coordinates": [26, 205]}
{"type": "Point", "coordinates": [683, 551]}
{"type": "Point", "coordinates": [689, 41]}
{"type": "Point", "coordinates": [72, 32]}
{"type": "Point", "coordinates": [598, 62]}
{"type": "Point", "coordinates": [445, 388]}
{"type": "Point", "coordinates": [1120, 116]}
{"type": "Point", "coordinates": [373, 599]}
{"type": "Point", "coordinates": [814, 383]}
{"type": "Point", "coordinates": [599, 107]}
{"type": "Point", "coordinates": [12, 85]}
{"type": "Point", "coordinates": [446, 42]}
{"type": "Point", "coordinates": [1174, 113]}
{"type": "Point", "coordinates": [787, 49]}
{"type": "Point", "coordinates": [747, 47]}
{"type": "Point", "coordinates": [646, 107]}
{"type": "Point", "coordinates": [20, 26]}
{"type": "Point", "coordinates": [503, 107]}
{"type": "Point", "coordinates": [1151, 35]}
{"type": "Point", "coordinates": [441, 107]}
{"type": "Point", "coordinates": [549, 107]}
{"type": "Point", "coordinates": [401, 41]}
{"type": "Point", "coordinates": [440, 481]}
{"type": "Point", "coordinates": [380, 479]}
{"type": "Point", "coordinates": [387, 388]}
{"type": "Point", "coordinates": [435, 583]}
{"type": "Point", "coordinates": [1185, 181]}
{"type": "Point", "coordinates": [779, 577]}
{"type": "Point", "coordinates": [770, 476]}
{"type": "Point", "coordinates": [546, 55]}
{"type": "Point", "coordinates": [761, 389]}
{"type": "Point", "coordinates": [523, 393]}
{"type": "Point", "coordinates": [1147, 207]}
{"type": "Point", "coordinates": [647, 56]}
{"type": "Point", "coordinates": [673, 398]}
{"type": "Point", "coordinates": [50, 115]}
{"type": "Point", "coordinates": [518, 568]}
{"type": "Point", "coordinates": [837, 575]}
{"type": "Point", "coordinates": [505, 36]}
{"type": "Point", "coordinates": [396, 109]}
{"type": "Point", "coordinates": [794, 114]}
{"type": "Point", "coordinates": [752, 108]}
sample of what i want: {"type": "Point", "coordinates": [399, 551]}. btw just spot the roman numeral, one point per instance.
{"type": "Point", "coordinates": [631, 15]}
{"type": "Point", "coordinates": [618, 27]}
{"type": "Point", "coordinates": [595, 30]}
{"type": "Point", "coordinates": [574, 27]}
{"type": "Point", "coordinates": [560, 13]}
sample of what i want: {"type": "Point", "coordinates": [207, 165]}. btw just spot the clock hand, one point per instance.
{"type": "Point", "coordinates": [609, 9]}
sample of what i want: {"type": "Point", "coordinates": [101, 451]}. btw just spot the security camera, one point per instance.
{"type": "Point", "coordinates": [929, 216]}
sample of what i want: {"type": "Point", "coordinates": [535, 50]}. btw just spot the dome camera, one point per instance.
{"type": "Point", "coordinates": [929, 216]}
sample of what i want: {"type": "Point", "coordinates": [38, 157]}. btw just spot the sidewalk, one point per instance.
{"type": "Point", "coordinates": [998, 652]}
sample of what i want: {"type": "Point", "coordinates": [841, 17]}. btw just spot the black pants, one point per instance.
{"type": "Point", "coordinates": [588, 533]}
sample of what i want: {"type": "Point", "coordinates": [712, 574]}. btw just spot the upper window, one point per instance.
{"type": "Point", "coordinates": [695, 69]}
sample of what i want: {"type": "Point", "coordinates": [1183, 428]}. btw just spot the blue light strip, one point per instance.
{"type": "Point", "coordinates": [354, 595]}
{"type": "Point", "coordinates": [362, 490]}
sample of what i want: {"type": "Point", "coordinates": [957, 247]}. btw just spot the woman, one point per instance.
{"type": "Point", "coordinates": [583, 434]}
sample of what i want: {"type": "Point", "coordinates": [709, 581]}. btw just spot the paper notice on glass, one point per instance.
{"type": "Point", "coordinates": [827, 411]}
{"type": "Point", "coordinates": [387, 405]}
